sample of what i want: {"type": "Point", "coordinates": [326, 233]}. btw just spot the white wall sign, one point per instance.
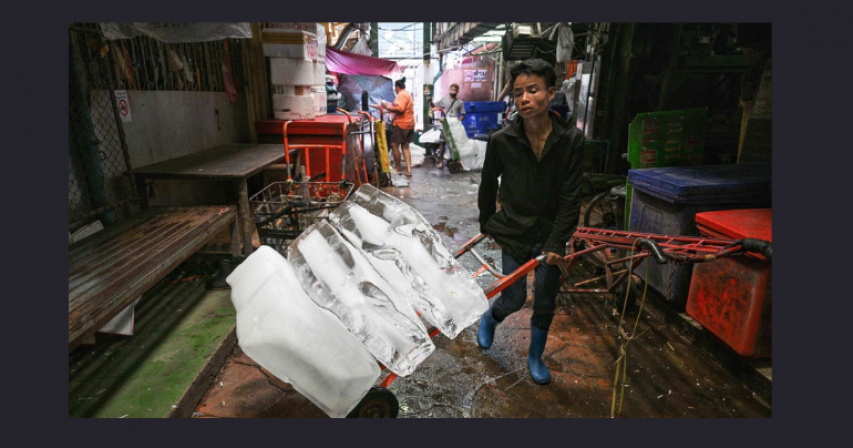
{"type": "Point", "coordinates": [123, 105]}
{"type": "Point", "coordinates": [475, 75]}
{"type": "Point", "coordinates": [476, 85]}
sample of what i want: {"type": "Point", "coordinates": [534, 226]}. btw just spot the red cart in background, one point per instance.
{"type": "Point", "coordinates": [319, 145]}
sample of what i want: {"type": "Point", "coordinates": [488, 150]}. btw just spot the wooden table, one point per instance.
{"type": "Point", "coordinates": [111, 269]}
{"type": "Point", "coordinates": [234, 163]}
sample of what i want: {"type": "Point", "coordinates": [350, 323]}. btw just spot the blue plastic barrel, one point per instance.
{"type": "Point", "coordinates": [480, 116]}
{"type": "Point", "coordinates": [666, 200]}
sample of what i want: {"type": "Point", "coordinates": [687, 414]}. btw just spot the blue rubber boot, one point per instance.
{"type": "Point", "coordinates": [538, 370]}
{"type": "Point", "coordinates": [486, 333]}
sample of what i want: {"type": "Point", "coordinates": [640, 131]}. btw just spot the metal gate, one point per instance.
{"type": "Point", "coordinates": [99, 180]}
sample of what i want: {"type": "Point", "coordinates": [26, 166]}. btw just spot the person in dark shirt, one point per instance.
{"type": "Point", "coordinates": [539, 157]}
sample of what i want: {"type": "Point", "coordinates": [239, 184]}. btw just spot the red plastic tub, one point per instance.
{"type": "Point", "coordinates": [731, 297]}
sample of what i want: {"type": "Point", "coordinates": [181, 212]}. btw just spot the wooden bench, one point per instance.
{"type": "Point", "coordinates": [111, 269]}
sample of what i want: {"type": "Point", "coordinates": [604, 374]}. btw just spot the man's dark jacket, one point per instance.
{"type": "Point", "coordinates": [540, 199]}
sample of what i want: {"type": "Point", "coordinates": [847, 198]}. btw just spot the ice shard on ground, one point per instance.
{"type": "Point", "coordinates": [409, 253]}
{"type": "Point", "coordinates": [285, 332]}
{"type": "Point", "coordinates": [339, 277]}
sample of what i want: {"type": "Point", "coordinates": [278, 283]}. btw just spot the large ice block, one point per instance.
{"type": "Point", "coordinates": [285, 332]}
{"type": "Point", "coordinates": [405, 249]}
{"type": "Point", "coordinates": [339, 277]}
{"type": "Point", "coordinates": [252, 273]}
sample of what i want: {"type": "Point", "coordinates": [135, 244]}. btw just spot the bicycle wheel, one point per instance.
{"type": "Point", "coordinates": [599, 212]}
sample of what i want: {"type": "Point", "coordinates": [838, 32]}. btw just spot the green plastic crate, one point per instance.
{"type": "Point", "coordinates": [661, 139]}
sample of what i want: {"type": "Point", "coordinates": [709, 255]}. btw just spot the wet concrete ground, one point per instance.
{"type": "Point", "coordinates": [667, 376]}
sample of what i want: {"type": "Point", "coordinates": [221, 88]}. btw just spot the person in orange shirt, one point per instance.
{"type": "Point", "coordinates": [403, 128]}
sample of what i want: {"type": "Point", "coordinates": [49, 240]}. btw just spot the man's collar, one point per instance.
{"type": "Point", "coordinates": [559, 126]}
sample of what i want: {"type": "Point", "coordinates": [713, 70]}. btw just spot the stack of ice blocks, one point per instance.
{"type": "Point", "coordinates": [349, 292]}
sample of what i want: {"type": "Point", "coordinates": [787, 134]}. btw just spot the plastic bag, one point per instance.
{"type": "Point", "coordinates": [565, 43]}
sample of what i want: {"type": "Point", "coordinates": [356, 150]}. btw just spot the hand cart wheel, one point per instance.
{"type": "Point", "coordinates": [378, 403]}
{"type": "Point", "coordinates": [454, 166]}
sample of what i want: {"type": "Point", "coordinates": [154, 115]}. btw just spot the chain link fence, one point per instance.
{"type": "Point", "coordinates": [99, 180]}
{"type": "Point", "coordinates": [100, 184]}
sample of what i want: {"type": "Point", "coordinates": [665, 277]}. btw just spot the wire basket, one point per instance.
{"type": "Point", "coordinates": [283, 210]}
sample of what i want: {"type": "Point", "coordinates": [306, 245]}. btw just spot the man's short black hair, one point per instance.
{"type": "Point", "coordinates": [401, 83]}
{"type": "Point", "coordinates": [536, 67]}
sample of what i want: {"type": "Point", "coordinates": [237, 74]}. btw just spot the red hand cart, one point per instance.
{"type": "Point", "coordinates": [586, 242]}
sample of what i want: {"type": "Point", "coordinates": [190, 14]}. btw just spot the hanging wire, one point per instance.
{"type": "Point", "coordinates": [416, 25]}
{"type": "Point", "coordinates": [403, 43]}
{"type": "Point", "coordinates": [622, 359]}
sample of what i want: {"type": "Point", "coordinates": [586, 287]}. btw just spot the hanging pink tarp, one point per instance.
{"type": "Point", "coordinates": [355, 64]}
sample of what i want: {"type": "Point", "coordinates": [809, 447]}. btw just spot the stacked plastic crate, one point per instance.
{"type": "Point", "coordinates": [293, 50]}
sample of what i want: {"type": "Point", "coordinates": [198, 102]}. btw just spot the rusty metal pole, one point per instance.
{"type": "Point", "coordinates": [244, 218]}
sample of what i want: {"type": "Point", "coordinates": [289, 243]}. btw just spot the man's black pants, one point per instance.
{"type": "Point", "coordinates": [546, 283]}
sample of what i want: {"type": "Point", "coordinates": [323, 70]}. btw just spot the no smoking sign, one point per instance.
{"type": "Point", "coordinates": [123, 105]}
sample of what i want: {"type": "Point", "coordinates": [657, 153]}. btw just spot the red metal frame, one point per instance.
{"type": "Point", "coordinates": [322, 125]}
{"type": "Point", "coordinates": [369, 119]}
{"type": "Point", "coordinates": [306, 154]}
{"type": "Point", "coordinates": [359, 155]}
{"type": "Point", "coordinates": [680, 249]}
{"type": "Point", "coordinates": [328, 132]}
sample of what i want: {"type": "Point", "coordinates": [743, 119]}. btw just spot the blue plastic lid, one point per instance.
{"type": "Point", "coordinates": [484, 106]}
{"type": "Point", "coordinates": [709, 184]}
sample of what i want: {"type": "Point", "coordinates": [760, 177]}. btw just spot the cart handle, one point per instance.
{"type": "Point", "coordinates": [381, 110]}
{"type": "Point", "coordinates": [349, 117]}
{"type": "Point", "coordinates": [503, 282]}
{"type": "Point", "coordinates": [369, 119]}
{"type": "Point", "coordinates": [653, 249]}
{"type": "Point", "coordinates": [755, 245]}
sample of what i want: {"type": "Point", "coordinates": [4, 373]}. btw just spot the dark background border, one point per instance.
{"type": "Point", "coordinates": [810, 43]}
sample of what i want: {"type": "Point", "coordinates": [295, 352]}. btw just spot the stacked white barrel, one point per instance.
{"type": "Point", "coordinates": [319, 87]}
{"type": "Point", "coordinates": [294, 50]}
